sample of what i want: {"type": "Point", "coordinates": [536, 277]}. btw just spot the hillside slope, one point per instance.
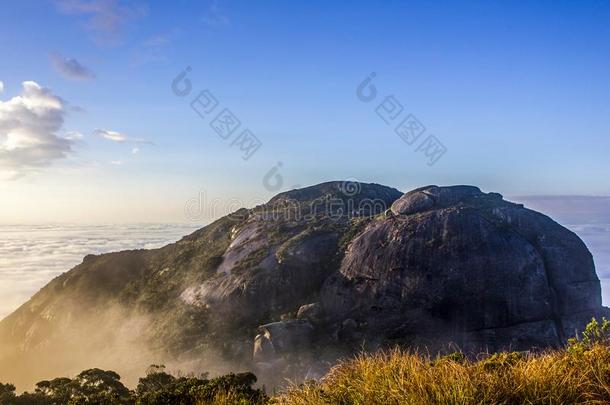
{"type": "Point", "coordinates": [313, 274]}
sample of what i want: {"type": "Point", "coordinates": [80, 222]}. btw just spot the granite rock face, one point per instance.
{"type": "Point", "coordinates": [281, 252]}
{"type": "Point", "coordinates": [458, 265]}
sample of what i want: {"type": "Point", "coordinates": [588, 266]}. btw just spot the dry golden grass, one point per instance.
{"type": "Point", "coordinates": [574, 376]}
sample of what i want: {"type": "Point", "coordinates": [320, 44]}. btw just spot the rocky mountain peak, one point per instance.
{"type": "Point", "coordinates": [434, 197]}
{"type": "Point", "coordinates": [340, 190]}
{"type": "Point", "coordinates": [320, 271]}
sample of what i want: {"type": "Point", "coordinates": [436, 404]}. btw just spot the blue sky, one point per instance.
{"type": "Point", "coordinates": [517, 93]}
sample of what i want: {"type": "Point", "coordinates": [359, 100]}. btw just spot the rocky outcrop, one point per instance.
{"type": "Point", "coordinates": [311, 312]}
{"type": "Point", "coordinates": [282, 338]}
{"type": "Point", "coordinates": [459, 265]}
{"type": "Point", "coordinates": [325, 270]}
{"type": "Point", "coordinates": [281, 253]}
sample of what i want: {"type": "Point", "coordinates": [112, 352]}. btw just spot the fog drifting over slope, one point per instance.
{"type": "Point", "coordinates": [32, 255]}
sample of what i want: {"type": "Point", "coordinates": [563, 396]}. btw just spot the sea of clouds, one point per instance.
{"type": "Point", "coordinates": [31, 256]}
{"type": "Point", "coordinates": [597, 239]}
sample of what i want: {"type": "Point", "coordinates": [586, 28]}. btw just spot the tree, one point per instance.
{"type": "Point", "coordinates": [96, 385]}
{"type": "Point", "coordinates": [7, 393]}
{"type": "Point", "coordinates": [156, 379]}
{"type": "Point", "coordinates": [103, 387]}
{"type": "Point", "coordinates": [59, 389]}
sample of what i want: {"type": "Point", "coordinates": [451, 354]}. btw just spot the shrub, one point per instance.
{"type": "Point", "coordinates": [502, 360]}
{"type": "Point", "coordinates": [594, 333]}
{"type": "Point", "coordinates": [457, 357]}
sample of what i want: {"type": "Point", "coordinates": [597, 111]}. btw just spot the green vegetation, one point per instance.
{"type": "Point", "coordinates": [594, 334]}
{"type": "Point", "coordinates": [101, 387]}
{"type": "Point", "coordinates": [576, 374]}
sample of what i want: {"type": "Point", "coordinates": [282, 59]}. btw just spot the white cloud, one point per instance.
{"type": "Point", "coordinates": [135, 151]}
{"type": "Point", "coordinates": [110, 135]}
{"type": "Point", "coordinates": [116, 162]}
{"type": "Point", "coordinates": [73, 136]}
{"type": "Point", "coordinates": [1, 86]}
{"type": "Point", "coordinates": [71, 68]}
{"type": "Point", "coordinates": [29, 124]}
{"type": "Point", "coordinates": [7, 174]}
{"type": "Point", "coordinates": [115, 136]}
{"type": "Point", "coordinates": [106, 19]}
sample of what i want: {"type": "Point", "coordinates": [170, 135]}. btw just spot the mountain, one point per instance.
{"type": "Point", "coordinates": [320, 272]}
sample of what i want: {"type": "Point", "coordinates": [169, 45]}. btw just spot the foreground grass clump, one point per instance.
{"type": "Point", "coordinates": [580, 373]}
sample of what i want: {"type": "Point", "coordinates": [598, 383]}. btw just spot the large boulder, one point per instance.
{"type": "Point", "coordinates": [453, 264]}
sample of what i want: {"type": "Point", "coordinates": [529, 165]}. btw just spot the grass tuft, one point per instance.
{"type": "Point", "coordinates": [577, 374]}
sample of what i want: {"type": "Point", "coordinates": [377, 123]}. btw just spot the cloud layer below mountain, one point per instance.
{"type": "Point", "coordinates": [31, 256]}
